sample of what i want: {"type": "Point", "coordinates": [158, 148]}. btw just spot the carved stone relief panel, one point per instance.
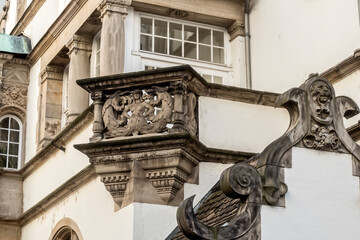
{"type": "Point", "coordinates": [141, 112]}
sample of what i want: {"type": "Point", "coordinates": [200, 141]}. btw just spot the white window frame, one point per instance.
{"type": "Point", "coordinates": [20, 139]}
{"type": "Point", "coordinates": [65, 96]}
{"type": "Point", "coordinates": [158, 60]}
{"type": "Point", "coordinates": [94, 57]}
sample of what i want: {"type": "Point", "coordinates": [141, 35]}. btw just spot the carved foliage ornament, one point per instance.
{"type": "Point", "coordinates": [316, 122]}
{"type": "Point", "coordinates": [144, 111]}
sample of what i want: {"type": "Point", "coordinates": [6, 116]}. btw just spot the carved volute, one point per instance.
{"type": "Point", "coordinates": [145, 133]}
{"type": "Point", "coordinates": [317, 123]}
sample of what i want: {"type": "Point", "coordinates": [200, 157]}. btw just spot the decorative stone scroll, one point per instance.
{"type": "Point", "coordinates": [317, 123]}
{"type": "Point", "coordinates": [240, 181]}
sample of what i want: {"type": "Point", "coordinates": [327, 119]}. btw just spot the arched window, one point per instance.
{"type": "Point", "coordinates": [10, 141]}
{"type": "Point", "coordinates": [66, 233]}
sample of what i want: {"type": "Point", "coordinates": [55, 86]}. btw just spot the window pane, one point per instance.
{"type": "Point", "coordinates": [13, 149]}
{"type": "Point", "coordinates": [13, 162]}
{"type": "Point", "coordinates": [14, 124]}
{"type": "Point", "coordinates": [218, 38]}
{"type": "Point", "coordinates": [4, 135]}
{"type": "Point", "coordinates": [190, 33]}
{"type": "Point", "coordinates": [190, 50]}
{"type": "Point", "coordinates": [160, 28]}
{"type": "Point", "coordinates": [205, 53]}
{"type": "Point", "coordinates": [218, 55]}
{"type": "Point", "coordinates": [4, 123]}
{"type": "Point", "coordinates": [145, 43]}
{"type": "Point", "coordinates": [160, 45]}
{"type": "Point", "coordinates": [146, 25]}
{"type": "Point", "coordinates": [175, 48]}
{"type": "Point", "coordinates": [14, 136]}
{"type": "Point", "coordinates": [3, 147]}
{"type": "Point", "coordinates": [218, 79]}
{"type": "Point", "coordinates": [207, 77]}
{"type": "Point", "coordinates": [2, 161]}
{"type": "Point", "coordinates": [205, 36]}
{"type": "Point", "coordinates": [175, 30]}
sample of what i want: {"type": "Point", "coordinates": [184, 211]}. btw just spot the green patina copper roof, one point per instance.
{"type": "Point", "coordinates": [15, 44]}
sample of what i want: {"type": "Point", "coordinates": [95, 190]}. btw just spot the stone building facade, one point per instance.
{"type": "Point", "coordinates": [114, 113]}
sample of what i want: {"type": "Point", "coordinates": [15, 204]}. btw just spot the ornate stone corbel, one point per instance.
{"type": "Point", "coordinates": [116, 184]}
{"type": "Point", "coordinates": [240, 181]}
{"type": "Point", "coordinates": [316, 123]}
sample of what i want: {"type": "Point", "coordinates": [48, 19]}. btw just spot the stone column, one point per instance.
{"type": "Point", "coordinates": [112, 45]}
{"type": "Point", "coordinates": [238, 58]}
{"type": "Point", "coordinates": [50, 104]}
{"type": "Point", "coordinates": [79, 67]}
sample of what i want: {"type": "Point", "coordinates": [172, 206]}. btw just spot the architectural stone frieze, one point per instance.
{"type": "Point", "coordinates": [316, 122]}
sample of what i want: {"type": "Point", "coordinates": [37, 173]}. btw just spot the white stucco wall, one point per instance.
{"type": "Point", "coordinates": [11, 19]}
{"type": "Point", "coordinates": [350, 87]}
{"type": "Point", "coordinates": [56, 171]}
{"type": "Point", "coordinates": [92, 208]}
{"type": "Point", "coordinates": [32, 111]}
{"type": "Point", "coordinates": [239, 126]}
{"type": "Point", "coordinates": [291, 39]}
{"type": "Point", "coordinates": [323, 201]}
{"type": "Point", "coordinates": [41, 22]}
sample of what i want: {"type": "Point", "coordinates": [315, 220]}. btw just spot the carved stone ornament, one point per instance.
{"type": "Point", "coordinates": [240, 181]}
{"type": "Point", "coordinates": [317, 123]}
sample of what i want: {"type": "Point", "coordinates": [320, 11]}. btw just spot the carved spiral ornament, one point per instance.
{"type": "Point", "coordinates": [239, 181]}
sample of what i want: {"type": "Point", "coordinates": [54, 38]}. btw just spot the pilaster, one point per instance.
{"type": "Point", "coordinates": [113, 13]}
{"type": "Point", "coordinates": [50, 104]}
{"type": "Point", "coordinates": [79, 67]}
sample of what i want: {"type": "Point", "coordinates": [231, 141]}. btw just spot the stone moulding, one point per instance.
{"type": "Point", "coordinates": [239, 181]}
{"type": "Point", "coordinates": [316, 123]}
{"type": "Point", "coordinates": [151, 168]}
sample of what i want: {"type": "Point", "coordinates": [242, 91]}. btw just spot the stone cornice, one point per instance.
{"type": "Point", "coordinates": [343, 69]}
{"type": "Point", "coordinates": [354, 131]}
{"type": "Point", "coordinates": [58, 194]}
{"type": "Point", "coordinates": [55, 29]}
{"type": "Point", "coordinates": [59, 142]}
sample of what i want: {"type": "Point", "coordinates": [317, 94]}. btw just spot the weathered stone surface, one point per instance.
{"type": "Point", "coordinates": [9, 231]}
{"type": "Point", "coordinates": [152, 168]}
{"type": "Point", "coordinates": [317, 123]}
{"type": "Point", "coordinates": [240, 181]}
{"type": "Point", "coordinates": [10, 195]}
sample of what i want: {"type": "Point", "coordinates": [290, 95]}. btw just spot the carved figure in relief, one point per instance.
{"type": "Point", "coordinates": [126, 114]}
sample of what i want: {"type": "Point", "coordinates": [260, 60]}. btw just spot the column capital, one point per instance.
{"type": "Point", "coordinates": [236, 29]}
{"type": "Point", "coordinates": [77, 43]}
{"type": "Point", "coordinates": [117, 6]}
{"type": "Point", "coordinates": [52, 73]}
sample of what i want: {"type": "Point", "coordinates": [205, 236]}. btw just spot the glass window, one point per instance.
{"type": "Point", "coordinates": [10, 142]}
{"type": "Point", "coordinates": [66, 233]}
{"type": "Point", "coordinates": [182, 40]}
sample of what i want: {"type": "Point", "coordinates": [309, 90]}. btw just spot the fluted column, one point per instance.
{"type": "Point", "coordinates": [112, 54]}
{"type": "Point", "coordinates": [79, 67]}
